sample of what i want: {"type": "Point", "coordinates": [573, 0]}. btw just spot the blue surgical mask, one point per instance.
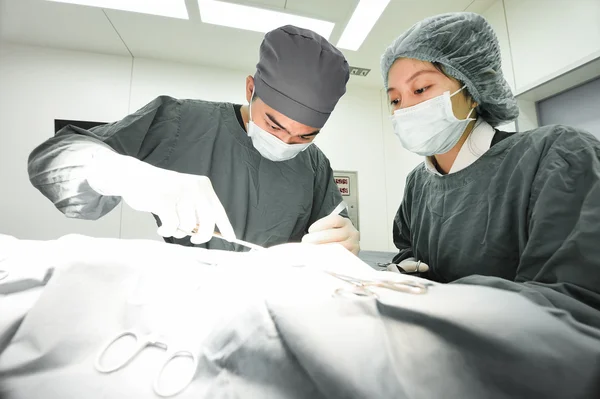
{"type": "Point", "coordinates": [270, 146]}
{"type": "Point", "coordinates": [430, 128]}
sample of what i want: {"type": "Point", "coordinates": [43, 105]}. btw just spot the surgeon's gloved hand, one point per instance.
{"type": "Point", "coordinates": [186, 204]}
{"type": "Point", "coordinates": [410, 265]}
{"type": "Point", "coordinates": [331, 229]}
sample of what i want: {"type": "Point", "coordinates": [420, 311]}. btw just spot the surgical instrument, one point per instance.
{"type": "Point", "coordinates": [363, 287]}
{"type": "Point", "coordinates": [240, 242]}
{"type": "Point", "coordinates": [174, 332]}
{"type": "Point", "coordinates": [144, 341]}
{"type": "Point", "coordinates": [338, 209]}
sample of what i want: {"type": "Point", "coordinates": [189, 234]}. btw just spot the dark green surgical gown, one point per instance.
{"type": "Point", "coordinates": [267, 202]}
{"type": "Point", "coordinates": [524, 217]}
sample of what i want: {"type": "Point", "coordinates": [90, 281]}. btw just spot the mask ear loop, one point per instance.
{"type": "Point", "coordinates": [458, 91]}
{"type": "Point", "coordinates": [470, 112]}
{"type": "Point", "coordinates": [250, 104]}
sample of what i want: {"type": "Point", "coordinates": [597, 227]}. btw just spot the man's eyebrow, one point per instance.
{"type": "Point", "coordinates": [272, 119]}
{"type": "Point", "coordinates": [275, 122]}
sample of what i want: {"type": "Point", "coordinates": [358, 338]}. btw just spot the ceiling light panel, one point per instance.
{"type": "Point", "coordinates": [257, 19]}
{"type": "Point", "coordinates": [164, 8]}
{"type": "Point", "coordinates": [363, 19]}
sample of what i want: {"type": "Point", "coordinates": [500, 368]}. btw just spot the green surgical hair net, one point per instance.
{"type": "Point", "coordinates": [467, 47]}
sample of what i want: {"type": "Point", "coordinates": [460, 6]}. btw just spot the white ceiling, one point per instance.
{"type": "Point", "coordinates": [67, 26]}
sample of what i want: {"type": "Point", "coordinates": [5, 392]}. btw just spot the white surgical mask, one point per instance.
{"type": "Point", "coordinates": [430, 128]}
{"type": "Point", "coordinates": [270, 146]}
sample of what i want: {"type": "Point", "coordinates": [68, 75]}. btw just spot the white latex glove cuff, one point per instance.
{"type": "Point", "coordinates": [111, 173]}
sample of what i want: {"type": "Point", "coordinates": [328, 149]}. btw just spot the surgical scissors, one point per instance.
{"type": "Point", "coordinates": [171, 310]}
{"type": "Point", "coordinates": [363, 287]}
{"type": "Point", "coordinates": [145, 341]}
{"type": "Point", "coordinates": [3, 274]}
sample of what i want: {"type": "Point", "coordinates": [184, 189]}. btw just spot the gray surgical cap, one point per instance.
{"type": "Point", "coordinates": [301, 75]}
{"type": "Point", "coordinates": [466, 45]}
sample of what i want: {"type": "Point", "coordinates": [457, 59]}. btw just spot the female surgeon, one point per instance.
{"type": "Point", "coordinates": [519, 212]}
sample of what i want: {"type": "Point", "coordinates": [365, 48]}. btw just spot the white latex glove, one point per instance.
{"type": "Point", "coordinates": [183, 202]}
{"type": "Point", "coordinates": [334, 228]}
{"type": "Point", "coordinates": [410, 265]}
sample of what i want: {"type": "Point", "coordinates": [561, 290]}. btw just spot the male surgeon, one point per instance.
{"type": "Point", "coordinates": [250, 170]}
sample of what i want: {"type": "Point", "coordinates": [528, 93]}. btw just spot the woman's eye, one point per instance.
{"type": "Point", "coordinates": [395, 102]}
{"type": "Point", "coordinates": [274, 127]}
{"type": "Point", "coordinates": [421, 91]}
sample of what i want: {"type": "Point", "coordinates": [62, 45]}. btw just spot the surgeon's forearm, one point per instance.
{"type": "Point", "coordinates": [59, 168]}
